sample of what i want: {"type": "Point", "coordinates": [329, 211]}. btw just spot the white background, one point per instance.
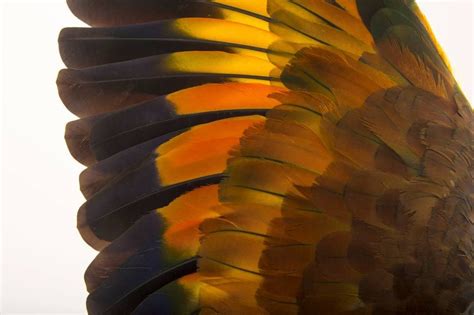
{"type": "Point", "coordinates": [43, 255]}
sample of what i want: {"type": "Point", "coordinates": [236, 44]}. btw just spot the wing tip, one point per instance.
{"type": "Point", "coordinates": [87, 233]}
{"type": "Point", "coordinates": [77, 140]}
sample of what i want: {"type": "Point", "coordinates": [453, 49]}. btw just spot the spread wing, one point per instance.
{"type": "Point", "coordinates": [269, 157]}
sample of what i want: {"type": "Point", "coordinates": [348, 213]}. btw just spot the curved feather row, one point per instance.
{"type": "Point", "coordinates": [269, 157]}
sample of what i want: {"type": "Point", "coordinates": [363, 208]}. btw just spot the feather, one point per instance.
{"type": "Point", "coordinates": [86, 47]}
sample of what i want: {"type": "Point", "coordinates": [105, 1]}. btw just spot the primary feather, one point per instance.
{"type": "Point", "coordinates": [269, 157]}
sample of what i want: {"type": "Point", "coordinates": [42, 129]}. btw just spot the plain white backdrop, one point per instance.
{"type": "Point", "coordinates": [43, 256]}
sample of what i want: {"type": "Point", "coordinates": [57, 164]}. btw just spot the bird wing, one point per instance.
{"type": "Point", "coordinates": [269, 157]}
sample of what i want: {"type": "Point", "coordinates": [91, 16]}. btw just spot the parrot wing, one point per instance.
{"type": "Point", "coordinates": [269, 157]}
